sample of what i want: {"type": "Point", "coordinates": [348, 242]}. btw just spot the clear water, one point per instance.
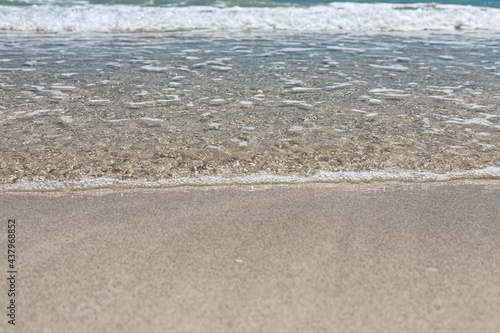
{"type": "Point", "coordinates": [124, 93]}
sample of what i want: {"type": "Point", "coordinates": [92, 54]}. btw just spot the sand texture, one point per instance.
{"type": "Point", "coordinates": [316, 258]}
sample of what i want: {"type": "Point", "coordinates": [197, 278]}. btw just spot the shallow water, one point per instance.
{"type": "Point", "coordinates": [166, 106]}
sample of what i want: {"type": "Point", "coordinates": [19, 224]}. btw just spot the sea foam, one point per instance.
{"type": "Point", "coordinates": [254, 179]}
{"type": "Point", "coordinates": [332, 17]}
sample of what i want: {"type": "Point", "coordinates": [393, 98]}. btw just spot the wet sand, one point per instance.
{"type": "Point", "coordinates": [311, 258]}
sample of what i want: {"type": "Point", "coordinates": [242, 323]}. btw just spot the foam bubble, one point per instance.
{"type": "Point", "coordinates": [338, 86]}
{"type": "Point", "coordinates": [332, 17]}
{"type": "Point", "coordinates": [398, 68]}
{"type": "Point", "coordinates": [66, 119]}
{"type": "Point", "coordinates": [150, 119]}
{"type": "Point", "coordinates": [297, 90]}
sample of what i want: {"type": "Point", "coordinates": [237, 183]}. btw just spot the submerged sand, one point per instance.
{"type": "Point", "coordinates": [149, 107]}
{"type": "Point", "coordinates": [315, 258]}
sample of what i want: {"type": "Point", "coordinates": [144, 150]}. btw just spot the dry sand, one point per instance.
{"type": "Point", "coordinates": [315, 258]}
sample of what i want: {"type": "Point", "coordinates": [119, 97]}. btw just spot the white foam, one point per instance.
{"type": "Point", "coordinates": [374, 101]}
{"type": "Point", "coordinates": [296, 90]}
{"type": "Point", "coordinates": [172, 98]}
{"type": "Point", "coordinates": [489, 115]}
{"type": "Point", "coordinates": [63, 87]}
{"type": "Point", "coordinates": [22, 69]}
{"type": "Point", "coordinates": [296, 49]}
{"type": "Point", "coordinates": [155, 69]}
{"type": "Point", "coordinates": [141, 103]}
{"type": "Point", "coordinates": [66, 119]}
{"type": "Point", "coordinates": [392, 96]}
{"type": "Point", "coordinates": [259, 178]}
{"type": "Point", "coordinates": [385, 90]}
{"type": "Point", "coordinates": [221, 68]}
{"type": "Point", "coordinates": [332, 17]}
{"type": "Point", "coordinates": [150, 119]}
{"type": "Point", "coordinates": [292, 82]}
{"type": "Point", "coordinates": [338, 86]}
{"type": "Point", "coordinates": [296, 128]}
{"type": "Point", "coordinates": [473, 121]}
{"type": "Point", "coordinates": [218, 62]}
{"type": "Point", "coordinates": [398, 68]}
{"type": "Point", "coordinates": [345, 49]}
{"type": "Point", "coordinates": [239, 142]}
{"type": "Point", "coordinates": [217, 101]}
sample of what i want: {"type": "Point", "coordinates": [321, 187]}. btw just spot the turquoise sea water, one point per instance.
{"type": "Point", "coordinates": [486, 3]}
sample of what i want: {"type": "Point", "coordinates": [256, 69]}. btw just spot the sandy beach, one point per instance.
{"type": "Point", "coordinates": [249, 166]}
{"type": "Point", "coordinates": [309, 258]}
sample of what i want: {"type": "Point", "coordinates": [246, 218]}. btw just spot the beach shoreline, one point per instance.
{"type": "Point", "coordinates": [249, 166]}
{"type": "Point", "coordinates": [258, 179]}
{"type": "Point", "coordinates": [280, 258]}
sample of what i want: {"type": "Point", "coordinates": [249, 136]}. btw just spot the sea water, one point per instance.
{"type": "Point", "coordinates": [159, 93]}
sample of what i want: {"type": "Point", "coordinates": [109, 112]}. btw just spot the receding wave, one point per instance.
{"type": "Point", "coordinates": [333, 17]}
{"type": "Point", "coordinates": [261, 178]}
